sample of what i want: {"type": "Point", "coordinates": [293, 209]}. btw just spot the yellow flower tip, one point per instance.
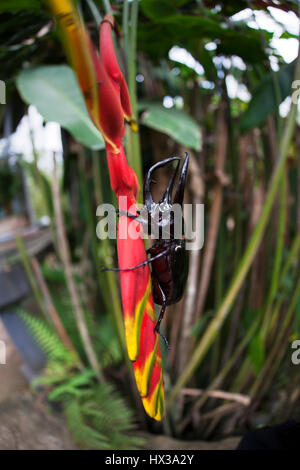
{"type": "Point", "coordinates": [134, 126]}
{"type": "Point", "coordinates": [154, 408]}
{"type": "Point", "coordinates": [131, 338]}
{"type": "Point", "coordinates": [144, 372]}
{"type": "Point", "coordinates": [154, 402]}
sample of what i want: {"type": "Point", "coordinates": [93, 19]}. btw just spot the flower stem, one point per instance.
{"type": "Point", "coordinates": [114, 297]}
{"type": "Point", "coordinates": [132, 135]}
{"type": "Point", "coordinates": [66, 261]}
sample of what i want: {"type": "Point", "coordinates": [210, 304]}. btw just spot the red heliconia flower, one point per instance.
{"type": "Point", "coordinates": [110, 63]}
{"type": "Point", "coordinates": [111, 117]}
{"type": "Point", "coordinates": [108, 103]}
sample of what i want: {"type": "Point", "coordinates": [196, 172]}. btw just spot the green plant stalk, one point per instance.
{"type": "Point", "coordinates": [65, 255]}
{"type": "Point", "coordinates": [233, 151]}
{"type": "Point", "coordinates": [52, 312]}
{"type": "Point", "coordinates": [107, 6]}
{"type": "Point", "coordinates": [115, 305]}
{"type": "Point", "coordinates": [278, 254]}
{"type": "Point", "coordinates": [132, 135]}
{"type": "Point", "coordinates": [29, 271]}
{"type": "Point", "coordinates": [90, 221]}
{"type": "Point", "coordinates": [244, 369]}
{"type": "Point", "coordinates": [125, 20]}
{"type": "Point", "coordinates": [95, 12]}
{"type": "Point", "coordinates": [228, 366]}
{"type": "Point", "coordinates": [271, 366]}
{"type": "Point", "coordinates": [293, 255]}
{"type": "Point", "coordinates": [219, 379]}
{"type": "Point", "coordinates": [271, 363]}
{"type": "Point", "coordinates": [247, 258]}
{"type": "Point", "coordinates": [240, 378]}
{"type": "Point", "coordinates": [219, 294]}
{"type": "Point", "coordinates": [276, 313]}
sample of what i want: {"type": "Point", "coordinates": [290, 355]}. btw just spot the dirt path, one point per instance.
{"type": "Point", "coordinates": [23, 424]}
{"type": "Point", "coordinates": [11, 377]}
{"type": "Point", "coordinates": [163, 443]}
{"type": "Point", "coordinates": [26, 426]}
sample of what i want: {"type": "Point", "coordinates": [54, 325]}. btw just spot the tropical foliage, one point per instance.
{"type": "Point", "coordinates": [231, 335]}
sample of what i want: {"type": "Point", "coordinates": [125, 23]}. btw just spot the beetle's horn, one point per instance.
{"type": "Point", "coordinates": [181, 184]}
{"type": "Point", "coordinates": [148, 200]}
{"type": "Point", "coordinates": [168, 193]}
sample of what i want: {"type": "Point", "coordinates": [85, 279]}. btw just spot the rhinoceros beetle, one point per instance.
{"type": "Point", "coordinates": [168, 257]}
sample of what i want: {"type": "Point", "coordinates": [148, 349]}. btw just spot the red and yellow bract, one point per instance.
{"type": "Point", "coordinates": [108, 103]}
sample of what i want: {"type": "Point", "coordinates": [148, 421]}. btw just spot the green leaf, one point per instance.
{"type": "Point", "coordinates": [257, 352]}
{"type": "Point", "coordinates": [35, 173]}
{"type": "Point", "coordinates": [287, 35]}
{"type": "Point", "coordinates": [163, 31]}
{"type": "Point", "coordinates": [263, 102]}
{"type": "Point", "coordinates": [176, 124]}
{"type": "Point", "coordinates": [156, 10]}
{"type": "Point", "coordinates": [54, 90]}
{"type": "Point", "coordinates": [244, 44]}
{"type": "Point", "coordinates": [14, 6]}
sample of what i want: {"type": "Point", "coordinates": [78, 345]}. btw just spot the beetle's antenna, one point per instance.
{"type": "Point", "coordinates": [180, 190]}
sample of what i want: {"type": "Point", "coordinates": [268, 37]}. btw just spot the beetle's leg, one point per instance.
{"type": "Point", "coordinates": [147, 261]}
{"type": "Point", "coordinates": [161, 316]}
{"type": "Point", "coordinates": [131, 216]}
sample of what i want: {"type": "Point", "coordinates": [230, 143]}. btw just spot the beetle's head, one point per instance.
{"type": "Point", "coordinates": [163, 215]}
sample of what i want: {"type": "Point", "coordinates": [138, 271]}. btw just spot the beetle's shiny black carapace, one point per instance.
{"type": "Point", "coordinates": [168, 257]}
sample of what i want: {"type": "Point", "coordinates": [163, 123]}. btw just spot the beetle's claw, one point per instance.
{"type": "Point", "coordinates": [104, 268]}
{"type": "Point", "coordinates": [156, 329]}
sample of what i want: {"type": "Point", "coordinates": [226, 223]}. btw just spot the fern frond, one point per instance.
{"type": "Point", "coordinates": [96, 414]}
{"type": "Point", "coordinates": [77, 384]}
{"type": "Point", "coordinates": [82, 433]}
{"type": "Point", "coordinates": [61, 363]}
{"type": "Point", "coordinates": [46, 338]}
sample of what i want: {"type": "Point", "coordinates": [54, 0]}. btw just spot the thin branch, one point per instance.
{"type": "Point", "coordinates": [215, 211]}
{"type": "Point", "coordinates": [220, 411]}
{"type": "Point", "coordinates": [238, 397]}
{"type": "Point", "coordinates": [30, 275]}
{"type": "Point", "coordinates": [52, 310]}
{"type": "Point", "coordinates": [185, 343]}
{"type": "Point", "coordinates": [66, 261]}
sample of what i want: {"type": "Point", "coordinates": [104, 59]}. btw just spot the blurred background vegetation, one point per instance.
{"type": "Point", "coordinates": [211, 78]}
